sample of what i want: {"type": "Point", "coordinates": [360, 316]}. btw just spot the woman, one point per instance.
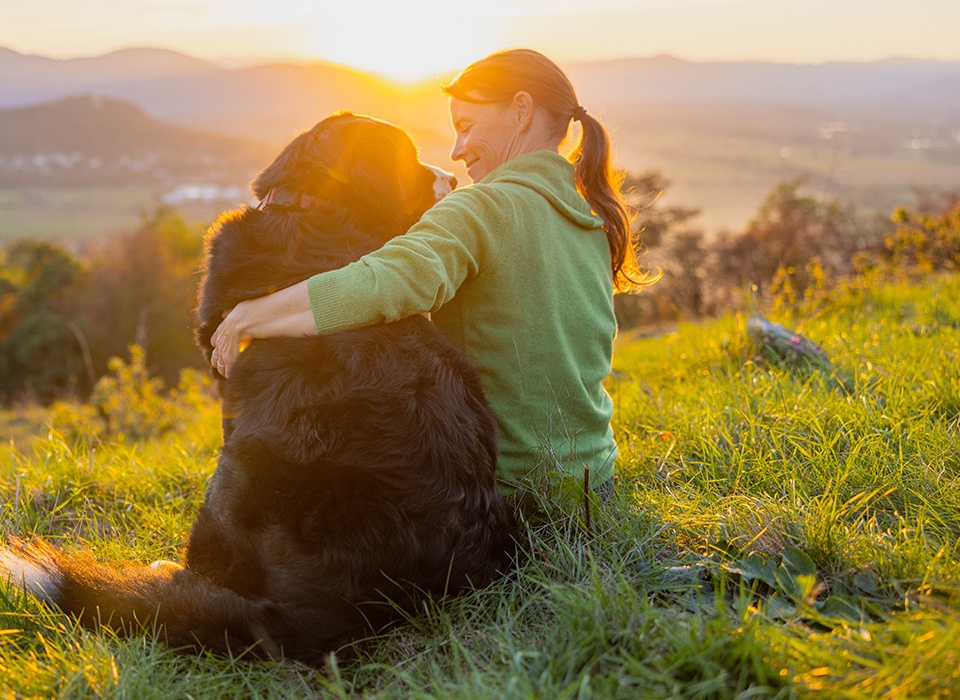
{"type": "Point", "coordinates": [517, 270]}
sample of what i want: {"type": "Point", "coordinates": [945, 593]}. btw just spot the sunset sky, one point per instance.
{"type": "Point", "coordinates": [411, 39]}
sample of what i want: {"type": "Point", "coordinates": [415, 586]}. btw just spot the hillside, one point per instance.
{"type": "Point", "coordinates": [27, 80]}
{"type": "Point", "coordinates": [775, 533]}
{"type": "Point", "coordinates": [89, 140]}
{"type": "Point", "coordinates": [272, 101]}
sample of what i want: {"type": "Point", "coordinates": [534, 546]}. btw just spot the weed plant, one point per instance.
{"type": "Point", "coordinates": [778, 530]}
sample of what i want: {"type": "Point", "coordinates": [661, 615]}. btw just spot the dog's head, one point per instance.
{"type": "Point", "coordinates": [369, 166]}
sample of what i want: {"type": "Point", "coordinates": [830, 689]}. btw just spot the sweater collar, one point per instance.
{"type": "Point", "coordinates": [551, 175]}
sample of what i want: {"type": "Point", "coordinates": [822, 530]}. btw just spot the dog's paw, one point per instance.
{"type": "Point", "coordinates": [165, 565]}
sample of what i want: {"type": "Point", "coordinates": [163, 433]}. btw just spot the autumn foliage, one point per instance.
{"type": "Point", "coordinates": [64, 315]}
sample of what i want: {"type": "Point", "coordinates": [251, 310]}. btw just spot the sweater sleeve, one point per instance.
{"type": "Point", "coordinates": [413, 273]}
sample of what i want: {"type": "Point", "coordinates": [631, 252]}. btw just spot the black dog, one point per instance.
{"type": "Point", "coordinates": [356, 476]}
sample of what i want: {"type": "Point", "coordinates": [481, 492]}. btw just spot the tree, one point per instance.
{"type": "Point", "coordinates": [652, 221]}
{"type": "Point", "coordinates": [41, 356]}
{"type": "Point", "coordinates": [671, 246]}
{"type": "Point", "coordinates": [790, 232]}
{"type": "Point", "coordinates": [142, 290]}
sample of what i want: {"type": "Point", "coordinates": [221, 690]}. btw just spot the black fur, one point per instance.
{"type": "Point", "coordinates": [357, 474]}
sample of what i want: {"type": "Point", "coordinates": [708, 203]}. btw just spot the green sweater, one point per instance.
{"type": "Point", "coordinates": [515, 271]}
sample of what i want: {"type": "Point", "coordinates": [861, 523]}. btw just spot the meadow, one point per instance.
{"type": "Point", "coordinates": [781, 528]}
{"type": "Point", "coordinates": [77, 215]}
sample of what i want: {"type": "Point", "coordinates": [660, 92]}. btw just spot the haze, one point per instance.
{"type": "Point", "coordinates": [422, 38]}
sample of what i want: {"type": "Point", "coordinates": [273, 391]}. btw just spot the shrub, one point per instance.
{"type": "Point", "coordinates": [128, 404]}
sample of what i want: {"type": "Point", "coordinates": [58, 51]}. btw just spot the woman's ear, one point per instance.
{"type": "Point", "coordinates": [523, 103]}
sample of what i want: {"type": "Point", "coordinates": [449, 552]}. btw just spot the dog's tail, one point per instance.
{"type": "Point", "coordinates": [185, 609]}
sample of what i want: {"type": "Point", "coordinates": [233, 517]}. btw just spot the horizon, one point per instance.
{"type": "Point", "coordinates": [426, 38]}
{"type": "Point", "coordinates": [234, 63]}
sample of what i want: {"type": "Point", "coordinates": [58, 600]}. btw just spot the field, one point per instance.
{"type": "Point", "coordinates": [71, 215]}
{"type": "Point", "coordinates": [725, 169]}
{"type": "Point", "coordinates": [780, 529]}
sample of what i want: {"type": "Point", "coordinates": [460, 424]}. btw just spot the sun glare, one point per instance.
{"type": "Point", "coordinates": [405, 41]}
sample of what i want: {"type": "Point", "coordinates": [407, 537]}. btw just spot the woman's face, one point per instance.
{"type": "Point", "coordinates": [488, 135]}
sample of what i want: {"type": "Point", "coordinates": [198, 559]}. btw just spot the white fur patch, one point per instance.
{"type": "Point", "coordinates": [38, 578]}
{"type": "Point", "coordinates": [165, 565]}
{"type": "Point", "coordinates": [444, 182]}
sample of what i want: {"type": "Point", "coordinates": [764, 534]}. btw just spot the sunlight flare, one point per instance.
{"type": "Point", "coordinates": [406, 41]}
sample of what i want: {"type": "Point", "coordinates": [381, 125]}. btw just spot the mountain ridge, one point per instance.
{"type": "Point", "coordinates": [276, 96]}
{"type": "Point", "coordinates": [723, 133]}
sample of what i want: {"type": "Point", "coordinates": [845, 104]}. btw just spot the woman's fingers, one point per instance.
{"type": "Point", "coordinates": [283, 314]}
{"type": "Point", "coordinates": [225, 345]}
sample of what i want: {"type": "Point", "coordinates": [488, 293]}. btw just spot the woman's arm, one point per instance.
{"type": "Point", "coordinates": [286, 313]}
{"type": "Point", "coordinates": [411, 274]}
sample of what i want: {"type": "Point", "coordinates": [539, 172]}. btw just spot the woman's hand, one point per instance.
{"type": "Point", "coordinates": [286, 313]}
{"type": "Point", "coordinates": [229, 340]}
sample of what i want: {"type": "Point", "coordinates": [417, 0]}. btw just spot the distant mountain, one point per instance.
{"type": "Point", "coordinates": [94, 140]}
{"type": "Point", "coordinates": [897, 84]}
{"type": "Point", "coordinates": [26, 80]}
{"type": "Point", "coordinates": [265, 102]}
{"type": "Point", "coordinates": [275, 100]}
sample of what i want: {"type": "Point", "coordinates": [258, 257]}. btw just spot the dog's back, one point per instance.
{"type": "Point", "coordinates": [378, 490]}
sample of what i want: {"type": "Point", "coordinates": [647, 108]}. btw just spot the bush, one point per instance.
{"type": "Point", "coordinates": [928, 242]}
{"type": "Point", "coordinates": [129, 405]}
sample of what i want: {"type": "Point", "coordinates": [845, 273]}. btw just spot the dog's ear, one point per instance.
{"type": "Point", "coordinates": [374, 186]}
{"type": "Point", "coordinates": [386, 182]}
{"type": "Point", "coordinates": [283, 167]}
{"type": "Point", "coordinates": [308, 160]}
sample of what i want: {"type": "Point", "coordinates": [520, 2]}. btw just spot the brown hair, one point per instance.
{"type": "Point", "coordinates": [499, 77]}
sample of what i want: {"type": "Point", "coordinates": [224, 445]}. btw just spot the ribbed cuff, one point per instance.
{"type": "Point", "coordinates": [326, 303]}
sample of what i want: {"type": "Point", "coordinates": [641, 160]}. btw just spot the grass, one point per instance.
{"type": "Point", "coordinates": [817, 508]}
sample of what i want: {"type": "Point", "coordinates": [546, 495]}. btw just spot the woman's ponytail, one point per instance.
{"type": "Point", "coordinates": [601, 185]}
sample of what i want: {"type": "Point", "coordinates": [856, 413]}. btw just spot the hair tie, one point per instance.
{"type": "Point", "coordinates": [579, 113]}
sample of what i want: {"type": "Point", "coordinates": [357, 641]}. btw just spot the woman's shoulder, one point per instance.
{"type": "Point", "coordinates": [482, 197]}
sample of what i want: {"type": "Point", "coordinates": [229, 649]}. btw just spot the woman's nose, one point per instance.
{"type": "Point", "coordinates": [457, 152]}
